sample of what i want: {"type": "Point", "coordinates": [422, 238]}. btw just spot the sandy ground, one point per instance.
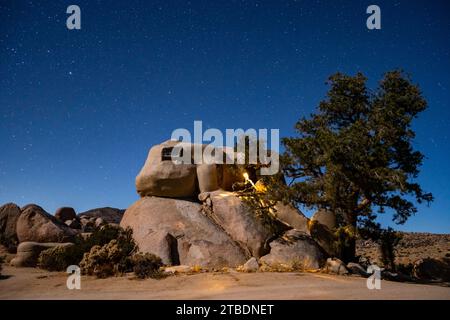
{"type": "Point", "coordinates": [29, 283]}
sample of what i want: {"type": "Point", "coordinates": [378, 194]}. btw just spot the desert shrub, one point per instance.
{"type": "Point", "coordinates": [113, 258]}
{"type": "Point", "coordinates": [58, 258]}
{"type": "Point", "coordinates": [146, 265]}
{"type": "Point", "coordinates": [10, 243]}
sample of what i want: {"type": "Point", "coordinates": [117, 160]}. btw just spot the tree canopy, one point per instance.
{"type": "Point", "coordinates": [355, 156]}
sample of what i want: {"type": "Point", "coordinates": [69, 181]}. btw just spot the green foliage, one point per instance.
{"type": "Point", "coordinates": [10, 243]}
{"type": "Point", "coordinates": [146, 265]}
{"type": "Point", "coordinates": [58, 258]}
{"type": "Point", "coordinates": [263, 207]}
{"type": "Point", "coordinates": [355, 156]}
{"type": "Point", "coordinates": [388, 240]}
{"type": "Point", "coordinates": [345, 237]}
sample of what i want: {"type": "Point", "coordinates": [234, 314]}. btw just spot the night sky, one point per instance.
{"type": "Point", "coordinates": [81, 108]}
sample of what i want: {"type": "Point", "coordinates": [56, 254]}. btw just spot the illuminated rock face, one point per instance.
{"type": "Point", "coordinates": [161, 176]}
{"type": "Point", "coordinates": [187, 215]}
{"type": "Point", "coordinates": [180, 233]}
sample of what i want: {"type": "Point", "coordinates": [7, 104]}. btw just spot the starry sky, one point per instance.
{"type": "Point", "coordinates": [81, 108]}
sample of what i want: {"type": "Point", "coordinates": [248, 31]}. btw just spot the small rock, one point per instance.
{"type": "Point", "coordinates": [250, 266]}
{"type": "Point", "coordinates": [356, 268]}
{"type": "Point", "coordinates": [203, 196]}
{"type": "Point", "coordinates": [178, 269]}
{"type": "Point", "coordinates": [334, 265]}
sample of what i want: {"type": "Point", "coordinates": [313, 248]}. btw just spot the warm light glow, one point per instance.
{"type": "Point", "coordinates": [246, 177]}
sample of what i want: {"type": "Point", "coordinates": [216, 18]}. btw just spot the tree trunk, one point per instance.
{"type": "Point", "coordinates": [348, 251]}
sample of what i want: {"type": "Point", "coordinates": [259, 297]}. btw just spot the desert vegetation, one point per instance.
{"type": "Point", "coordinates": [110, 250]}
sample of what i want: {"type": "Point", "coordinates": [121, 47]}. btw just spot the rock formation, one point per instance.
{"type": "Point", "coordinates": [65, 213]}
{"type": "Point", "coordinates": [162, 176]}
{"type": "Point", "coordinates": [28, 253]}
{"type": "Point", "coordinates": [9, 214]}
{"type": "Point", "coordinates": [34, 224]}
{"type": "Point", "coordinates": [188, 215]}
{"type": "Point", "coordinates": [295, 248]}
{"type": "Point", "coordinates": [178, 232]}
{"type": "Point", "coordinates": [108, 214]}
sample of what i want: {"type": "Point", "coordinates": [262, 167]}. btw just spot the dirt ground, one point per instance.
{"type": "Point", "coordinates": [30, 283]}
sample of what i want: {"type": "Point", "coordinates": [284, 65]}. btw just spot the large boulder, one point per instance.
{"type": "Point", "coordinates": [241, 224]}
{"type": "Point", "coordinates": [34, 224]}
{"type": "Point", "coordinates": [430, 269]}
{"type": "Point", "coordinates": [65, 213]}
{"type": "Point", "coordinates": [335, 265]}
{"type": "Point", "coordinates": [178, 229]}
{"type": "Point", "coordinates": [292, 216]}
{"type": "Point", "coordinates": [161, 177]}
{"type": "Point", "coordinates": [9, 214]}
{"type": "Point", "coordinates": [325, 217]}
{"type": "Point", "coordinates": [172, 170]}
{"type": "Point", "coordinates": [294, 248]}
{"type": "Point", "coordinates": [324, 237]}
{"type": "Point", "coordinates": [108, 214]}
{"type": "Point", "coordinates": [28, 252]}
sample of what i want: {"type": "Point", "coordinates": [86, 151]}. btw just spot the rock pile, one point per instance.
{"type": "Point", "coordinates": [188, 215]}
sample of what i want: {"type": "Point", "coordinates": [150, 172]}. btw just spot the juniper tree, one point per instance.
{"type": "Point", "coordinates": [355, 156]}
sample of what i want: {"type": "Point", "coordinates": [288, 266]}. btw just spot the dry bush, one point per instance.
{"type": "Point", "coordinates": [146, 265]}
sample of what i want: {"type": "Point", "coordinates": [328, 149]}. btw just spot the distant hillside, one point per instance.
{"type": "Point", "coordinates": [413, 246]}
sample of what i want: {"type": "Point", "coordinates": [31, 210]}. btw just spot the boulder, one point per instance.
{"type": "Point", "coordinates": [430, 269]}
{"type": "Point", "coordinates": [170, 171]}
{"type": "Point", "coordinates": [9, 214]}
{"type": "Point", "coordinates": [356, 268]}
{"type": "Point", "coordinates": [294, 248]}
{"type": "Point", "coordinates": [28, 253]}
{"type": "Point", "coordinates": [74, 224]}
{"type": "Point", "coordinates": [86, 224]}
{"type": "Point", "coordinates": [34, 224]}
{"type": "Point", "coordinates": [326, 218]}
{"type": "Point", "coordinates": [99, 222]}
{"type": "Point", "coordinates": [108, 214]}
{"type": "Point", "coordinates": [198, 240]}
{"type": "Point", "coordinates": [207, 177]}
{"type": "Point", "coordinates": [162, 244]}
{"type": "Point", "coordinates": [250, 266]}
{"type": "Point", "coordinates": [334, 265]}
{"type": "Point", "coordinates": [324, 237]}
{"type": "Point", "coordinates": [292, 216]}
{"type": "Point", "coordinates": [161, 177]}
{"type": "Point", "coordinates": [65, 213]}
{"type": "Point", "coordinates": [240, 223]}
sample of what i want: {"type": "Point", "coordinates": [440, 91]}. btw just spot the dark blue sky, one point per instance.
{"type": "Point", "coordinates": [81, 108]}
